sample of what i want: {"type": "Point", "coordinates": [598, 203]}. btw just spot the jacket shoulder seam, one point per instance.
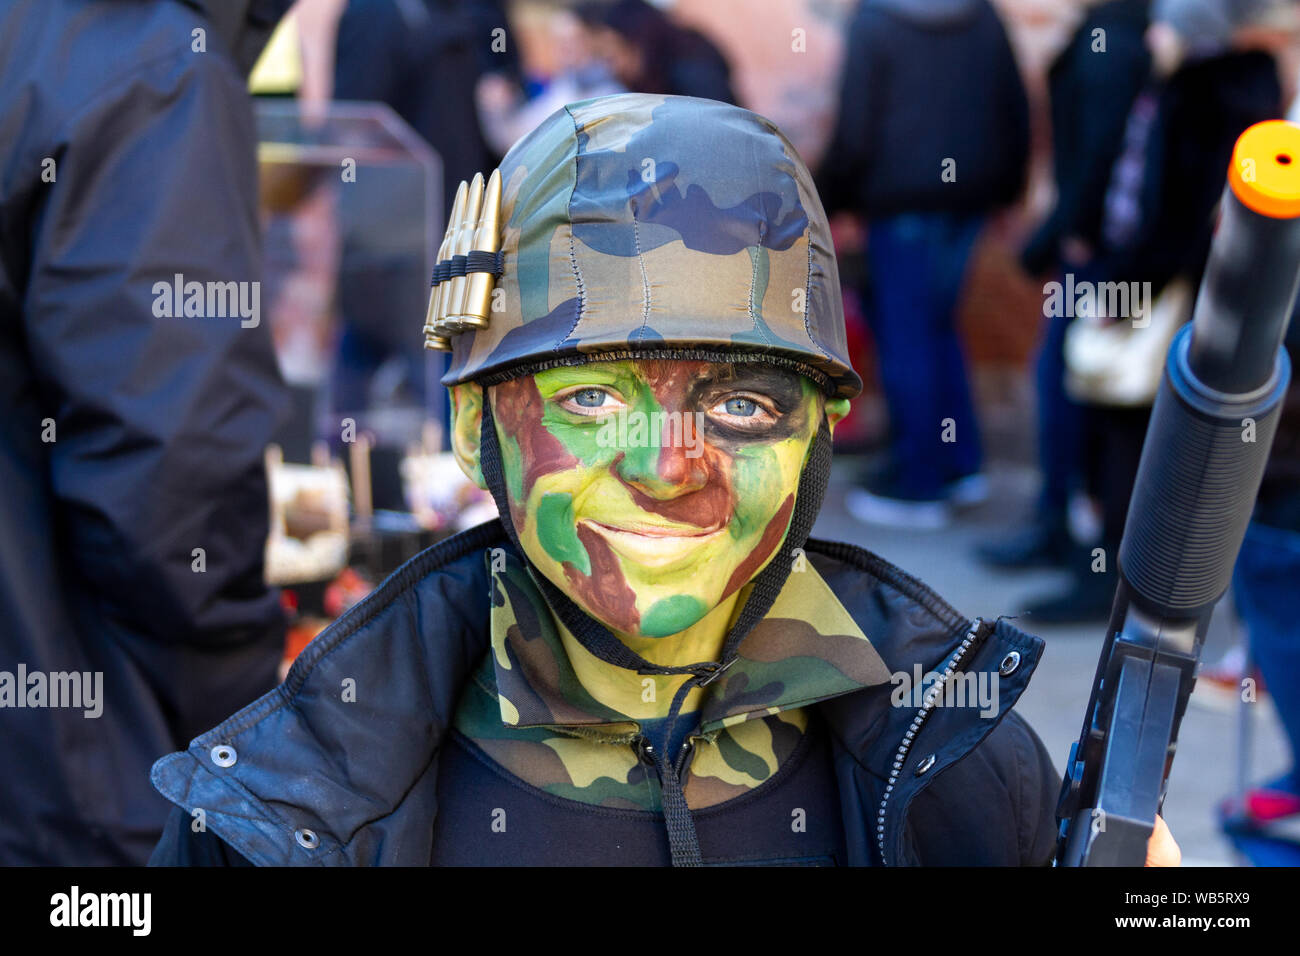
{"type": "Point", "coordinates": [893, 576]}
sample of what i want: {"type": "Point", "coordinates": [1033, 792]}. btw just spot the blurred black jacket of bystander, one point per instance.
{"type": "Point", "coordinates": [131, 442]}
{"type": "Point", "coordinates": [932, 113]}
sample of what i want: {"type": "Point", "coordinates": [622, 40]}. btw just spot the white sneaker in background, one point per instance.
{"type": "Point", "coordinates": [968, 491]}
{"type": "Point", "coordinates": [897, 512]}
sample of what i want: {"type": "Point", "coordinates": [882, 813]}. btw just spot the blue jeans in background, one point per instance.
{"type": "Point", "coordinates": [917, 262]}
{"type": "Point", "coordinates": [1266, 591]}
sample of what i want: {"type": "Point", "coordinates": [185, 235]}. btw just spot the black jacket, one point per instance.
{"type": "Point", "coordinates": [127, 440]}
{"type": "Point", "coordinates": [926, 81]}
{"type": "Point", "coordinates": [423, 58]}
{"type": "Point", "coordinates": [302, 778]}
{"type": "Point", "coordinates": [1092, 90]}
{"type": "Point", "coordinates": [1201, 111]}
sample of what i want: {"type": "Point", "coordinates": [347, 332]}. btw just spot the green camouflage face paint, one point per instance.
{"type": "Point", "coordinates": [651, 490]}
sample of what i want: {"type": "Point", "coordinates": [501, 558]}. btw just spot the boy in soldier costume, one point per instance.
{"type": "Point", "coordinates": [646, 660]}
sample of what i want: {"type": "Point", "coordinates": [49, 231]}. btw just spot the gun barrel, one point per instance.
{"type": "Point", "coordinates": [1250, 278]}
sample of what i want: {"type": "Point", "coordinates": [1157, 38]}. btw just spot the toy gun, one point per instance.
{"type": "Point", "coordinates": [1209, 437]}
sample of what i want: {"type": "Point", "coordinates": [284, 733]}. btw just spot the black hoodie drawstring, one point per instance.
{"type": "Point", "coordinates": [683, 841]}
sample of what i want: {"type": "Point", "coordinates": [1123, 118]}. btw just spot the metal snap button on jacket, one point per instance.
{"type": "Point", "coordinates": [223, 755]}
{"type": "Point", "coordinates": [306, 838]}
{"type": "Point", "coordinates": [1009, 663]}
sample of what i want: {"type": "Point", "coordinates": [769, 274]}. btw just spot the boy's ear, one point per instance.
{"type": "Point", "coordinates": [836, 409]}
{"type": "Point", "coordinates": [467, 429]}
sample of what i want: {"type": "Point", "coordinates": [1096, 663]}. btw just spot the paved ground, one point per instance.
{"type": "Point", "coordinates": [1206, 768]}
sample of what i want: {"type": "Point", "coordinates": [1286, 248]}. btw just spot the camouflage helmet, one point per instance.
{"type": "Point", "coordinates": [643, 225]}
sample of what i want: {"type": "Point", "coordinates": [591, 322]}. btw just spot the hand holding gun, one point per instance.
{"type": "Point", "coordinates": [1210, 434]}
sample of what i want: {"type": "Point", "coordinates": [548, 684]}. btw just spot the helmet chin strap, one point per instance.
{"type": "Point", "coordinates": [597, 638]}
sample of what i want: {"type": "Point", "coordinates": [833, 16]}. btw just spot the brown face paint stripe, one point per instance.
{"type": "Point", "coordinates": [708, 508]}
{"type": "Point", "coordinates": [605, 592]}
{"type": "Point", "coordinates": [519, 407]}
{"type": "Point", "coordinates": [772, 536]}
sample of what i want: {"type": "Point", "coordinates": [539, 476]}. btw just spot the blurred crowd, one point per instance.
{"type": "Point", "coordinates": [1078, 143]}
{"type": "Point", "coordinates": [1088, 138]}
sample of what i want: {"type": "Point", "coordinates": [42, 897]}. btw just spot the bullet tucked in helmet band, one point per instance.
{"type": "Point", "coordinates": [469, 262]}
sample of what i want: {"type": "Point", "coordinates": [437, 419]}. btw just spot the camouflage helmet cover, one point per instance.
{"type": "Point", "coordinates": [640, 225]}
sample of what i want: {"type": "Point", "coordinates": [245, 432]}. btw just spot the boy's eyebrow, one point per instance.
{"type": "Point", "coordinates": [603, 373]}
{"type": "Point", "coordinates": [779, 383]}
{"type": "Point", "coordinates": [782, 385]}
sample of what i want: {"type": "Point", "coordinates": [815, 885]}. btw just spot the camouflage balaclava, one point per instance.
{"type": "Point", "coordinates": [637, 228]}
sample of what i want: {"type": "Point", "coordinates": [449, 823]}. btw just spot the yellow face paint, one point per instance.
{"type": "Point", "coordinates": [651, 490]}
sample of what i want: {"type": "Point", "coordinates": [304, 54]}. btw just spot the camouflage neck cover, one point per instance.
{"type": "Point", "coordinates": [639, 226]}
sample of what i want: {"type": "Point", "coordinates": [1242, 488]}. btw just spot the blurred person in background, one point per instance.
{"type": "Point", "coordinates": [131, 542]}
{"type": "Point", "coordinates": [512, 105]}
{"type": "Point", "coordinates": [1265, 596]}
{"type": "Point", "coordinates": [932, 136]}
{"type": "Point", "coordinates": [648, 52]}
{"type": "Point", "coordinates": [1092, 84]}
{"type": "Point", "coordinates": [423, 58]}
{"type": "Point", "coordinates": [1214, 74]}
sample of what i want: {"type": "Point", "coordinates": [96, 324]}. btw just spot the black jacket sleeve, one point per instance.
{"type": "Point", "coordinates": [1095, 93]}
{"type": "Point", "coordinates": [1038, 789]}
{"type": "Point", "coordinates": [162, 420]}
{"type": "Point", "coordinates": [1013, 113]}
{"type": "Point", "coordinates": [846, 162]}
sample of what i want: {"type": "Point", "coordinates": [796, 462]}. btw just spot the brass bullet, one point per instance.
{"type": "Point", "coordinates": [487, 238]}
{"type": "Point", "coordinates": [438, 291]}
{"type": "Point", "coordinates": [452, 304]}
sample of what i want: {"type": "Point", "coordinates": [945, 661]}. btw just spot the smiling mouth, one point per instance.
{"type": "Point", "coordinates": [657, 531]}
{"type": "Point", "coordinates": [654, 545]}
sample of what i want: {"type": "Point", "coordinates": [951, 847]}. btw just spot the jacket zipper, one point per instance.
{"type": "Point", "coordinates": [935, 692]}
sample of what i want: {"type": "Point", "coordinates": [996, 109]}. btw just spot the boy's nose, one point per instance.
{"type": "Point", "coordinates": [677, 467]}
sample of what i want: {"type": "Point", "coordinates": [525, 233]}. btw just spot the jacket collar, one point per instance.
{"type": "Point", "coordinates": [806, 649]}
{"type": "Point", "coordinates": [895, 752]}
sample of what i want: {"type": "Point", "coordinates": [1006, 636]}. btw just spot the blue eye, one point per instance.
{"type": "Point", "coordinates": [741, 407]}
{"type": "Point", "coordinates": [589, 397]}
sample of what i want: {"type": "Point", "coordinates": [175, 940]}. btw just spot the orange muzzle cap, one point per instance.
{"type": "Point", "coordinates": [1265, 172]}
